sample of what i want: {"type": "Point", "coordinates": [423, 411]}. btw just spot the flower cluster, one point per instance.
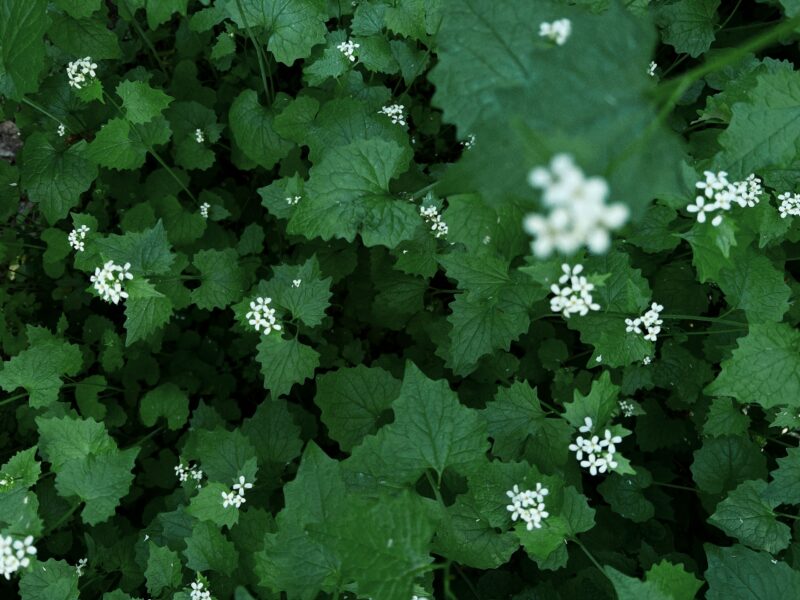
{"type": "Point", "coordinates": [261, 316]}
{"type": "Point", "coordinates": [292, 200]}
{"type": "Point", "coordinates": [395, 113]}
{"type": "Point", "coordinates": [599, 452]}
{"type": "Point", "coordinates": [236, 497]}
{"type": "Point", "coordinates": [296, 283]}
{"type": "Point", "coordinates": [434, 219]}
{"type": "Point", "coordinates": [199, 136]}
{"type": "Point", "coordinates": [15, 554]}
{"type": "Point", "coordinates": [790, 205]}
{"type": "Point", "coordinates": [649, 322]}
{"type": "Point", "coordinates": [204, 209]}
{"type": "Point", "coordinates": [62, 131]}
{"type": "Point", "coordinates": [82, 562]}
{"type": "Point", "coordinates": [184, 472]}
{"type": "Point", "coordinates": [651, 69]}
{"type": "Point", "coordinates": [578, 214]}
{"type": "Point", "coordinates": [79, 70]}
{"type": "Point", "coordinates": [348, 48]}
{"type": "Point", "coordinates": [575, 296]}
{"type": "Point", "coordinates": [108, 281]}
{"type": "Point", "coordinates": [199, 591]}
{"type": "Point", "coordinates": [557, 31]}
{"type": "Point", "coordinates": [627, 408]}
{"type": "Point", "coordinates": [719, 194]}
{"type": "Point", "coordinates": [76, 237]}
{"type": "Point", "coordinates": [528, 506]}
{"type": "Point", "coordinates": [469, 142]}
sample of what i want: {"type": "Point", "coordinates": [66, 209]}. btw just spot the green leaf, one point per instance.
{"type": "Point", "coordinates": [209, 550]}
{"type": "Point", "coordinates": [483, 275]}
{"type": "Point", "coordinates": [22, 25]}
{"type": "Point", "coordinates": [737, 573]}
{"type": "Point", "coordinates": [253, 130]}
{"type": "Point", "coordinates": [514, 415]}
{"type": "Point", "coordinates": [163, 569]}
{"type": "Point", "coordinates": [431, 430]}
{"type": "Point", "coordinates": [141, 102]}
{"type": "Point", "coordinates": [146, 310]}
{"type": "Point", "coordinates": [160, 11]}
{"type": "Point", "coordinates": [39, 368]}
{"type": "Point", "coordinates": [168, 401]}
{"type": "Point", "coordinates": [383, 544]}
{"type": "Point", "coordinates": [273, 432]}
{"type": "Point", "coordinates": [725, 418]}
{"type": "Point", "coordinates": [600, 404]}
{"type": "Point", "coordinates": [119, 145]}
{"type": "Point", "coordinates": [754, 285]}
{"type": "Point", "coordinates": [222, 280]}
{"type": "Point", "coordinates": [147, 251]}
{"type": "Point", "coordinates": [746, 516]}
{"type": "Point", "coordinates": [285, 362]}
{"type": "Point", "coordinates": [301, 290]}
{"type": "Point", "coordinates": [207, 506]}
{"type": "Point", "coordinates": [21, 470]}
{"type": "Point", "coordinates": [764, 369]}
{"type": "Point", "coordinates": [294, 26]}
{"type": "Point", "coordinates": [223, 455]}
{"type": "Point", "coordinates": [55, 179]}
{"type": "Point", "coordinates": [763, 132]}
{"type": "Point", "coordinates": [84, 37]}
{"type": "Point", "coordinates": [689, 25]}
{"type": "Point", "coordinates": [625, 495]}
{"type": "Point", "coordinates": [79, 8]}
{"type": "Point", "coordinates": [725, 462]}
{"type": "Point", "coordinates": [354, 401]}
{"type": "Point", "coordinates": [785, 485]}
{"type": "Point", "coordinates": [348, 192]}
{"type": "Point", "coordinates": [49, 580]}
{"type": "Point", "coordinates": [87, 464]}
{"type": "Point", "coordinates": [664, 581]}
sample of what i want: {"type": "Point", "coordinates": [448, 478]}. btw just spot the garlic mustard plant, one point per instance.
{"type": "Point", "coordinates": [558, 31]}
{"type": "Point", "coordinates": [80, 72]}
{"type": "Point", "coordinates": [109, 281]}
{"type": "Point", "coordinates": [573, 293]}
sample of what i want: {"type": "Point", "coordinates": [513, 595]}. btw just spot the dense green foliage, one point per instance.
{"type": "Point", "coordinates": [356, 434]}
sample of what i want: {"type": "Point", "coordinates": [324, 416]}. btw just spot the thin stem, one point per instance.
{"type": "Point", "coordinates": [675, 486]}
{"type": "Point", "coordinates": [448, 593]}
{"type": "Point", "coordinates": [149, 436]}
{"type": "Point", "coordinates": [730, 16]}
{"type": "Point", "coordinates": [705, 319]}
{"type": "Point", "coordinates": [62, 519]}
{"type": "Point", "coordinates": [259, 52]}
{"type": "Point", "coordinates": [13, 398]}
{"type": "Point", "coordinates": [795, 517]}
{"type": "Point", "coordinates": [423, 191]}
{"type": "Point", "coordinates": [40, 109]}
{"type": "Point", "coordinates": [711, 332]}
{"type": "Point", "coordinates": [591, 558]}
{"type": "Point", "coordinates": [463, 576]}
{"type": "Point", "coordinates": [144, 37]}
{"type": "Point", "coordinates": [435, 488]}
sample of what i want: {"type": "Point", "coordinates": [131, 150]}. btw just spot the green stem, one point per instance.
{"type": "Point", "coordinates": [423, 191]}
{"type": "Point", "coordinates": [675, 486]}
{"type": "Point", "coordinates": [61, 520]}
{"type": "Point", "coordinates": [463, 576]}
{"type": "Point", "coordinates": [705, 319]}
{"type": "Point", "coordinates": [448, 593]}
{"type": "Point", "coordinates": [40, 109]}
{"type": "Point", "coordinates": [149, 436]}
{"type": "Point", "coordinates": [591, 558]}
{"type": "Point", "coordinates": [13, 398]}
{"type": "Point", "coordinates": [144, 37]}
{"type": "Point", "coordinates": [259, 52]}
{"type": "Point", "coordinates": [796, 517]}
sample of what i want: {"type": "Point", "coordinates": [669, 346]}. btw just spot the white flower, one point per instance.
{"type": "Point", "coordinates": [199, 591]}
{"type": "Point", "coordinates": [204, 209]}
{"type": "Point", "coordinates": [62, 131]}
{"type": "Point", "coordinates": [348, 48]}
{"type": "Point", "coordinates": [108, 281]}
{"type": "Point", "coordinates": [292, 200]}
{"type": "Point", "coordinates": [790, 205]}
{"type": "Point", "coordinates": [594, 464]}
{"type": "Point", "coordinates": [557, 31]}
{"type": "Point", "coordinates": [261, 316]}
{"type": "Point", "coordinates": [181, 473]}
{"type": "Point", "coordinates": [651, 322]}
{"type": "Point", "coordinates": [15, 554]}
{"type": "Point", "coordinates": [199, 136]}
{"type": "Point", "coordinates": [719, 194]}
{"type": "Point", "coordinates": [651, 69]}
{"type": "Point", "coordinates": [81, 566]}
{"type": "Point", "coordinates": [76, 237]}
{"type": "Point", "coordinates": [79, 70]}
{"type": "Point", "coordinates": [575, 298]}
{"type": "Point", "coordinates": [296, 283]}
{"type": "Point", "coordinates": [434, 219]}
{"type": "Point", "coordinates": [627, 408]}
{"type": "Point", "coordinates": [647, 360]}
{"type": "Point", "coordinates": [469, 142]}
{"type": "Point", "coordinates": [578, 214]}
{"type": "Point", "coordinates": [587, 425]}
{"type": "Point", "coordinates": [395, 113]}
{"type": "Point", "coordinates": [528, 506]}
{"type": "Point", "coordinates": [232, 499]}
{"type": "Point", "coordinates": [242, 486]}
